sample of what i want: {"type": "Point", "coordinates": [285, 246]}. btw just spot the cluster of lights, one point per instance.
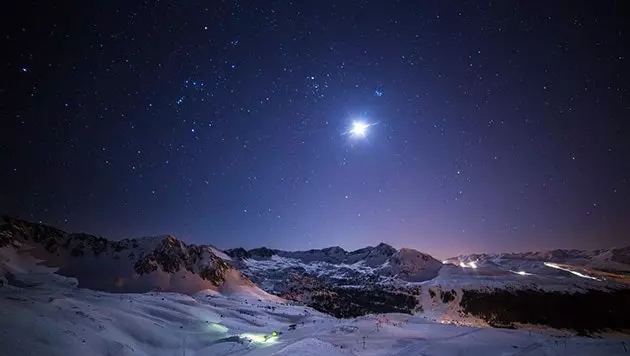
{"type": "Point", "coordinates": [256, 338]}
{"type": "Point", "coordinates": [261, 338]}
{"type": "Point", "coordinates": [251, 337]}
{"type": "Point", "coordinates": [471, 264]}
{"type": "Point", "coordinates": [556, 266]}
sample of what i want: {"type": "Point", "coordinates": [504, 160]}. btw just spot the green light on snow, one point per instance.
{"type": "Point", "coordinates": [216, 327]}
{"type": "Point", "coordinates": [261, 338]}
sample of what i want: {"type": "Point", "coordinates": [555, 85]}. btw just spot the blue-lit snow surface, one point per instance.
{"type": "Point", "coordinates": [48, 315]}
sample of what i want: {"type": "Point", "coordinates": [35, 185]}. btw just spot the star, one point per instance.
{"type": "Point", "coordinates": [297, 120]}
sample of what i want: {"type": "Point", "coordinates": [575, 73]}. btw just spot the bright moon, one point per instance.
{"type": "Point", "coordinates": [359, 129]}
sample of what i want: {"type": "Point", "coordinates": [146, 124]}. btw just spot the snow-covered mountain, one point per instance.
{"type": "Point", "coordinates": [131, 265]}
{"type": "Point", "coordinates": [606, 260]}
{"type": "Point", "coordinates": [364, 266]}
{"type": "Point", "coordinates": [343, 283]}
{"type": "Point", "coordinates": [482, 289]}
{"type": "Point", "coordinates": [45, 313]}
{"type": "Point", "coordinates": [542, 288]}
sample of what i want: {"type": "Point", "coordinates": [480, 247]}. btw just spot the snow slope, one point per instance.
{"type": "Point", "coordinates": [48, 317]}
{"type": "Point", "coordinates": [506, 290]}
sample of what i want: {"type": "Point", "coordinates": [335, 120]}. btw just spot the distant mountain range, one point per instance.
{"type": "Point", "coordinates": [606, 259]}
{"type": "Point", "coordinates": [479, 289]}
{"type": "Point", "coordinates": [370, 264]}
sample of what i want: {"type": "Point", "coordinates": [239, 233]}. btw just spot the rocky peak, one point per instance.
{"type": "Point", "coordinates": [384, 249]}
{"type": "Point", "coordinates": [13, 231]}
{"type": "Point", "coordinates": [378, 255]}
{"type": "Point", "coordinates": [414, 266]}
{"type": "Point", "coordinates": [171, 240]}
{"type": "Point", "coordinates": [163, 254]}
{"type": "Point", "coordinates": [333, 250]}
{"type": "Point", "coordinates": [261, 253]}
{"type": "Point", "coordinates": [238, 253]}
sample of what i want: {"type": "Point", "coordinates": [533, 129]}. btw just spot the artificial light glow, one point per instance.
{"type": "Point", "coordinates": [261, 338]}
{"type": "Point", "coordinates": [553, 265]}
{"type": "Point", "coordinates": [472, 264]}
{"type": "Point", "coordinates": [522, 273]}
{"type": "Point", "coordinates": [216, 327]}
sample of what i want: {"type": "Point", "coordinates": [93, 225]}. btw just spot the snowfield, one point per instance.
{"type": "Point", "coordinates": [51, 316]}
{"type": "Point", "coordinates": [77, 294]}
{"type": "Point", "coordinates": [42, 313]}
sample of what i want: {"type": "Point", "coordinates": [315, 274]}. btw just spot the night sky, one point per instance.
{"type": "Point", "coordinates": [493, 126]}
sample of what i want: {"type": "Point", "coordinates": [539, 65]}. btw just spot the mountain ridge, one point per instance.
{"type": "Point", "coordinates": [161, 263]}
{"type": "Point", "coordinates": [479, 289]}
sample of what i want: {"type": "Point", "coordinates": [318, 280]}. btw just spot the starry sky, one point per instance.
{"type": "Point", "coordinates": [494, 125]}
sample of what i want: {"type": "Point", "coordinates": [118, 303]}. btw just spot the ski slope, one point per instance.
{"type": "Point", "coordinates": [49, 315]}
{"type": "Point", "coordinates": [46, 312]}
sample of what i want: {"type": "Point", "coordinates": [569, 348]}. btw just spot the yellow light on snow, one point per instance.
{"type": "Point", "coordinates": [261, 338]}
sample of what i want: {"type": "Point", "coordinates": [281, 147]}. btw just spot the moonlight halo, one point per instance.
{"type": "Point", "coordinates": [359, 129]}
